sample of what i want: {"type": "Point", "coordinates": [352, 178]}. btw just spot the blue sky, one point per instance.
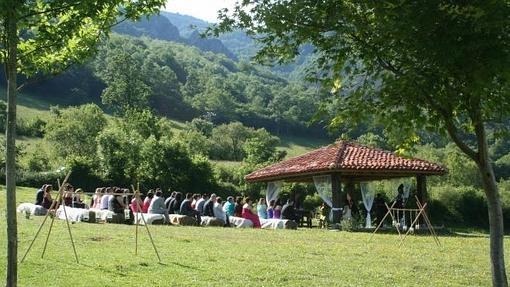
{"type": "Point", "coordinates": [202, 9]}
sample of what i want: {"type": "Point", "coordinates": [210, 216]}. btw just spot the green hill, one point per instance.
{"type": "Point", "coordinates": [32, 106]}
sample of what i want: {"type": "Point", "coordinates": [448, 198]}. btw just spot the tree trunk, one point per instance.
{"type": "Point", "coordinates": [10, 165]}
{"type": "Point", "coordinates": [490, 186]}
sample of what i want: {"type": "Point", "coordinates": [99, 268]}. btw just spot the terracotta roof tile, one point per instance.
{"type": "Point", "coordinates": [345, 156]}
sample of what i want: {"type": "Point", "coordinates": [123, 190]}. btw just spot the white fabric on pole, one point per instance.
{"type": "Point", "coordinates": [323, 186]}
{"type": "Point", "coordinates": [273, 190]}
{"type": "Point", "coordinates": [368, 195]}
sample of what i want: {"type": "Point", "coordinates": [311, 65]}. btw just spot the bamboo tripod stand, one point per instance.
{"type": "Point", "coordinates": [59, 198]}
{"type": "Point", "coordinates": [50, 211]}
{"type": "Point", "coordinates": [420, 212]}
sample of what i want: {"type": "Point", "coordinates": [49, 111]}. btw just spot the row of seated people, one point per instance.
{"type": "Point", "coordinates": [71, 197]}
{"type": "Point", "coordinates": [117, 200]}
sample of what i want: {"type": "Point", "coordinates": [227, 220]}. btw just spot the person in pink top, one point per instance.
{"type": "Point", "coordinates": [248, 213]}
{"type": "Point", "coordinates": [147, 201]}
{"type": "Point", "coordinates": [137, 204]}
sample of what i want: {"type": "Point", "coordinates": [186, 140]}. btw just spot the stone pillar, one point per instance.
{"type": "Point", "coordinates": [336, 189]}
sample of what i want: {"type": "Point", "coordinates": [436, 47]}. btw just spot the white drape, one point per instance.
{"type": "Point", "coordinates": [323, 186]}
{"type": "Point", "coordinates": [368, 195]}
{"type": "Point", "coordinates": [273, 190]}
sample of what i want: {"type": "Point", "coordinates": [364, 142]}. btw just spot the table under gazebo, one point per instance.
{"type": "Point", "coordinates": [348, 163]}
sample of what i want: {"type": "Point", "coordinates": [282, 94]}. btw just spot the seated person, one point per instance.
{"type": "Point", "coordinates": [228, 207]}
{"type": "Point", "coordinates": [157, 205]}
{"type": "Point", "coordinates": [136, 204]}
{"type": "Point", "coordinates": [187, 210]}
{"type": "Point", "coordinates": [262, 208]}
{"type": "Point", "coordinates": [219, 213]}
{"type": "Point", "coordinates": [147, 201]}
{"type": "Point", "coordinates": [68, 194]}
{"type": "Point", "coordinates": [168, 201]}
{"type": "Point", "coordinates": [199, 205]}
{"type": "Point", "coordinates": [105, 199]}
{"type": "Point", "coordinates": [175, 205]}
{"type": "Point", "coordinates": [248, 213]}
{"type": "Point", "coordinates": [288, 211]}
{"type": "Point", "coordinates": [270, 209]}
{"type": "Point", "coordinates": [277, 213]}
{"type": "Point", "coordinates": [209, 206]}
{"type": "Point", "coordinates": [238, 207]}
{"type": "Point", "coordinates": [77, 202]}
{"type": "Point", "coordinates": [95, 202]}
{"type": "Point", "coordinates": [39, 195]}
{"type": "Point", "coordinates": [116, 204]}
{"type": "Point", "coordinates": [47, 200]}
{"type": "Point", "coordinates": [196, 197]}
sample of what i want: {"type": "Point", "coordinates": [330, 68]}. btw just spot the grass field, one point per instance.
{"type": "Point", "coordinates": [193, 256]}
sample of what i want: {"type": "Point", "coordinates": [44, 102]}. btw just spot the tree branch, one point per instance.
{"type": "Point", "coordinates": [454, 134]}
{"type": "Point", "coordinates": [56, 9]}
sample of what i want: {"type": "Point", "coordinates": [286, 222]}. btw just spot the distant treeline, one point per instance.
{"type": "Point", "coordinates": [183, 82]}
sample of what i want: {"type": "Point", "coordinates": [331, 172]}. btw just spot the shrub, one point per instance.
{"type": "Point", "coordinates": [458, 206]}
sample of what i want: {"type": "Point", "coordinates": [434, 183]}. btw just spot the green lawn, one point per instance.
{"type": "Point", "coordinates": [195, 256]}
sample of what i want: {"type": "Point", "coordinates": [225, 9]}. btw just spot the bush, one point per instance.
{"type": "Point", "coordinates": [83, 173]}
{"type": "Point", "coordinates": [458, 206]}
{"type": "Point", "coordinates": [36, 161]}
{"type": "Point", "coordinates": [35, 179]}
{"type": "Point", "coordinates": [30, 128]}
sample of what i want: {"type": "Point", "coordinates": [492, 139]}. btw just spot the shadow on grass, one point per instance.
{"type": "Point", "coordinates": [185, 266]}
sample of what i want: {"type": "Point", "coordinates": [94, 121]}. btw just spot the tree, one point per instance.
{"type": "Point", "coordinates": [73, 131]}
{"type": "Point", "coordinates": [228, 139]}
{"type": "Point", "coordinates": [411, 65]}
{"type": "Point", "coordinates": [39, 37]}
{"type": "Point", "coordinates": [120, 71]}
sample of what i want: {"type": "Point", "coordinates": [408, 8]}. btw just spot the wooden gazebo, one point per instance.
{"type": "Point", "coordinates": [348, 163]}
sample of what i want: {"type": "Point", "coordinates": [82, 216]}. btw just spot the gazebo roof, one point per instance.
{"type": "Point", "coordinates": [350, 160]}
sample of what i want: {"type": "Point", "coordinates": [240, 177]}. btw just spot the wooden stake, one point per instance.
{"type": "Point", "coordinates": [52, 206]}
{"type": "Point", "coordinates": [148, 231]}
{"type": "Point", "coordinates": [429, 224]}
{"type": "Point", "coordinates": [382, 220]}
{"type": "Point", "coordinates": [414, 221]}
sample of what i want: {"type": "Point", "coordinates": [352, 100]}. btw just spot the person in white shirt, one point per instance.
{"type": "Point", "coordinates": [105, 199]}
{"type": "Point", "coordinates": [157, 205]}
{"type": "Point", "coordinates": [219, 212]}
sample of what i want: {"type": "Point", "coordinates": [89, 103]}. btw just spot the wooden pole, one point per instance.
{"type": "Point", "coordinates": [429, 224]}
{"type": "Point", "coordinates": [70, 233]}
{"type": "Point", "coordinates": [148, 231]}
{"type": "Point", "coordinates": [52, 206]}
{"type": "Point", "coordinates": [382, 220]}
{"type": "Point", "coordinates": [422, 209]}
{"type": "Point", "coordinates": [59, 197]}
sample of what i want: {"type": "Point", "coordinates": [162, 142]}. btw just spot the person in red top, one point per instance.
{"type": "Point", "coordinates": [248, 213]}
{"type": "Point", "coordinates": [147, 201]}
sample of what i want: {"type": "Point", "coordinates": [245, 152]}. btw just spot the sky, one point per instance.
{"type": "Point", "coordinates": [202, 9]}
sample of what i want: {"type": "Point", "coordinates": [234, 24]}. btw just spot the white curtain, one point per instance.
{"type": "Point", "coordinates": [273, 190]}
{"type": "Point", "coordinates": [323, 186]}
{"type": "Point", "coordinates": [368, 195]}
